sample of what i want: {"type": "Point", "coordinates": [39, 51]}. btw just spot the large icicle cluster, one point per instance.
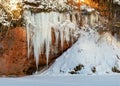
{"type": "Point", "coordinates": [90, 16]}
{"type": "Point", "coordinates": [39, 27]}
{"type": "Point", "coordinates": [41, 24]}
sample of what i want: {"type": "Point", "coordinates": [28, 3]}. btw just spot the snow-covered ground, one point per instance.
{"type": "Point", "coordinates": [74, 80]}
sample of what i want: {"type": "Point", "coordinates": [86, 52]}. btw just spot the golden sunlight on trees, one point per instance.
{"type": "Point", "coordinates": [12, 7]}
{"type": "Point", "coordinates": [82, 0]}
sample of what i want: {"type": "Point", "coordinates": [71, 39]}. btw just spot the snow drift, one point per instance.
{"type": "Point", "coordinates": [92, 53]}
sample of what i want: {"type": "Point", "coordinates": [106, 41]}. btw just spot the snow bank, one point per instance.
{"type": "Point", "coordinates": [94, 53]}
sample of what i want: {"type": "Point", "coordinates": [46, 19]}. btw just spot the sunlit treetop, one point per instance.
{"type": "Point", "coordinates": [12, 7]}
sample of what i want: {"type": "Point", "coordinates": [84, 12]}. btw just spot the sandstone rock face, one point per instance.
{"type": "Point", "coordinates": [13, 54]}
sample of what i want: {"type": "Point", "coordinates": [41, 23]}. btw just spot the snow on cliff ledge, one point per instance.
{"type": "Point", "coordinates": [117, 1]}
{"type": "Point", "coordinates": [92, 53]}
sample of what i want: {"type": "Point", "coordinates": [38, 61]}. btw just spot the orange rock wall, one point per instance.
{"type": "Point", "coordinates": [13, 54]}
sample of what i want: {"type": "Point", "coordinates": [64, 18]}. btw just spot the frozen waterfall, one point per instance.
{"type": "Point", "coordinates": [40, 27]}
{"type": "Point", "coordinates": [39, 30]}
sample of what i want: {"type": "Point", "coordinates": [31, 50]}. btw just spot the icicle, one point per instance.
{"type": "Point", "coordinates": [57, 19]}
{"type": "Point", "coordinates": [74, 19]}
{"type": "Point", "coordinates": [67, 34]}
{"type": "Point", "coordinates": [61, 36]}
{"type": "Point", "coordinates": [28, 40]}
{"type": "Point", "coordinates": [48, 40]}
{"type": "Point", "coordinates": [36, 38]}
{"type": "Point", "coordinates": [92, 20]}
{"type": "Point", "coordinates": [85, 20]}
{"type": "Point", "coordinates": [61, 28]}
{"type": "Point", "coordinates": [67, 16]}
{"type": "Point", "coordinates": [29, 27]}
